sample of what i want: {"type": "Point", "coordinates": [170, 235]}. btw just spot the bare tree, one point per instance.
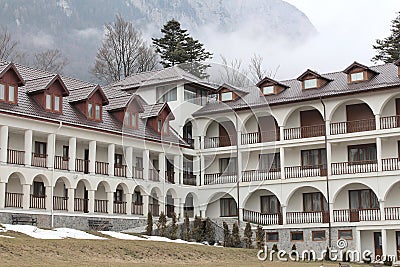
{"type": "Point", "coordinates": [233, 73]}
{"type": "Point", "coordinates": [8, 46]}
{"type": "Point", "coordinates": [123, 52]}
{"type": "Point", "coordinates": [50, 60]}
{"type": "Point", "coordinates": [256, 70]}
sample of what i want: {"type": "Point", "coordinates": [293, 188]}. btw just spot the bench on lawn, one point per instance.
{"type": "Point", "coordinates": [99, 225]}
{"type": "Point", "coordinates": [23, 218]}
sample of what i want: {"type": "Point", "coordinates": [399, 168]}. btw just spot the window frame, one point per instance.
{"type": "Point", "coordinates": [7, 89]}
{"type": "Point", "coordinates": [353, 74]}
{"type": "Point", "coordinates": [271, 233]}
{"type": "Point", "coordinates": [359, 148]}
{"type": "Point", "coordinates": [271, 92]}
{"type": "Point", "coordinates": [119, 196]}
{"type": "Point", "coordinates": [225, 93]}
{"type": "Point", "coordinates": [52, 104]}
{"type": "Point", "coordinates": [312, 86]}
{"type": "Point", "coordinates": [37, 146]}
{"type": "Point", "coordinates": [321, 154]}
{"type": "Point", "coordinates": [65, 152]}
{"type": "Point", "coordinates": [318, 231]}
{"type": "Point", "coordinates": [323, 204]}
{"type": "Point", "coordinates": [296, 232]}
{"type": "Point", "coordinates": [39, 190]}
{"type": "Point", "coordinates": [344, 231]}
{"type": "Point", "coordinates": [268, 201]}
{"type": "Point", "coordinates": [270, 159]}
{"type": "Point", "coordinates": [93, 114]}
{"type": "Point", "coordinates": [371, 194]}
{"type": "Point", "coordinates": [229, 201]}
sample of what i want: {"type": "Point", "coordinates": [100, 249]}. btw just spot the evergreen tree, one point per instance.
{"type": "Point", "coordinates": [173, 227]}
{"type": "Point", "coordinates": [235, 236]}
{"type": "Point", "coordinates": [227, 235]}
{"type": "Point", "coordinates": [162, 224]}
{"type": "Point", "coordinates": [178, 47]}
{"type": "Point", "coordinates": [185, 231]}
{"type": "Point", "coordinates": [197, 232]}
{"type": "Point", "coordinates": [248, 234]}
{"type": "Point", "coordinates": [260, 235]}
{"type": "Point", "coordinates": [388, 49]}
{"type": "Point", "coordinates": [149, 227]}
{"type": "Point", "coordinates": [209, 232]}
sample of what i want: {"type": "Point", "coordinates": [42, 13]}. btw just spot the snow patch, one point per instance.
{"type": "Point", "coordinates": [123, 236]}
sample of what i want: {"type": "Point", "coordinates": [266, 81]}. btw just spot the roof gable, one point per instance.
{"type": "Point", "coordinates": [11, 67]}
{"type": "Point", "coordinates": [355, 64]}
{"type": "Point", "coordinates": [44, 83]}
{"type": "Point", "coordinates": [312, 73]}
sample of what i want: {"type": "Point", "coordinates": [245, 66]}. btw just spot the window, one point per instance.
{"type": "Point", "coordinates": [90, 110]}
{"type": "Point", "coordinates": [189, 96]}
{"type": "Point", "coordinates": [228, 207]}
{"type": "Point", "coordinates": [40, 148]}
{"type": "Point", "coordinates": [118, 160]}
{"type": "Point", "coordinates": [226, 96]}
{"type": "Point", "coordinates": [267, 90]}
{"type": "Point", "coordinates": [270, 205]}
{"type": "Point", "coordinates": [94, 111]}
{"type": "Point", "coordinates": [269, 161]}
{"type": "Point", "coordinates": [98, 112]}
{"type": "Point", "coordinates": [194, 95]}
{"type": "Point", "coordinates": [2, 92]}
{"type": "Point", "coordinates": [314, 202]}
{"type": "Point", "coordinates": [8, 93]}
{"type": "Point", "coordinates": [313, 158]}
{"type": "Point", "coordinates": [139, 163]}
{"type": "Point", "coordinates": [48, 101]}
{"type": "Point", "coordinates": [65, 152]}
{"type": "Point", "coordinates": [134, 120]}
{"type": "Point", "coordinates": [311, 83]}
{"type": "Point", "coordinates": [357, 76]}
{"type": "Point", "coordinates": [359, 153]}
{"type": "Point", "coordinates": [318, 236]}
{"type": "Point", "coordinates": [38, 189]}
{"type": "Point", "coordinates": [11, 93]}
{"type": "Point", "coordinates": [127, 119]}
{"type": "Point", "coordinates": [272, 236]}
{"type": "Point", "coordinates": [118, 195]}
{"type": "Point", "coordinates": [52, 102]}
{"type": "Point", "coordinates": [159, 126]}
{"type": "Point", "coordinates": [166, 93]}
{"type": "Point", "coordinates": [227, 166]}
{"type": "Point", "coordinates": [363, 199]}
{"type": "Point", "coordinates": [296, 236]}
{"type": "Point", "coordinates": [345, 234]}
{"type": "Point", "coordinates": [57, 106]}
{"type": "Point", "coordinates": [137, 198]}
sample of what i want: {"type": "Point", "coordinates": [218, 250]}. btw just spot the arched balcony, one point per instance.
{"type": "Point", "coordinates": [220, 134]}
{"type": "Point", "coordinates": [260, 129]}
{"type": "Point", "coordinates": [263, 207]}
{"type": "Point", "coordinates": [304, 122]}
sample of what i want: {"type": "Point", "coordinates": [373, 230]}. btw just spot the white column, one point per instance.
{"type": "Point", "coordinates": [177, 168]}
{"type": "Point", "coordinates": [111, 155]}
{"type": "Point", "coordinates": [284, 220]}
{"type": "Point", "coordinates": [181, 205]}
{"type": "Point", "coordinates": [239, 137]}
{"type": "Point", "coordinates": [71, 199]}
{"type": "Point", "coordinates": [379, 153]}
{"type": "Point", "coordinates": [26, 190]}
{"type": "Point", "coordinates": [146, 164]}
{"type": "Point", "coordinates": [384, 242]}
{"type": "Point", "coordinates": [196, 169]}
{"type": "Point", "coordinates": [91, 201]}
{"type": "Point", "coordinates": [129, 161]}
{"type": "Point", "coordinates": [202, 170]}
{"type": "Point", "coordinates": [51, 138]}
{"type": "Point", "coordinates": [92, 157]}
{"type": "Point", "coordinates": [197, 142]}
{"type": "Point", "coordinates": [281, 133]}
{"type": "Point", "coordinates": [378, 121]}
{"type": "Point", "coordinates": [331, 212]}
{"type": "Point", "coordinates": [128, 199]}
{"type": "Point", "coordinates": [202, 140]}
{"type": "Point", "coordinates": [358, 240]}
{"type": "Point", "coordinates": [110, 203]}
{"type": "Point", "coordinates": [328, 127]}
{"type": "Point", "coordinates": [145, 204]}
{"type": "Point", "coordinates": [3, 143]}
{"type": "Point", "coordinates": [239, 165]}
{"type": "Point", "coordinates": [28, 147]}
{"type": "Point", "coordinates": [72, 153]}
{"type": "Point", "coordinates": [48, 200]}
{"type": "Point", "coordinates": [161, 165]}
{"type": "Point", "coordinates": [282, 161]}
{"type": "Point", "coordinates": [2, 194]}
{"type": "Point", "coordinates": [382, 209]}
{"type": "Point", "coordinates": [329, 158]}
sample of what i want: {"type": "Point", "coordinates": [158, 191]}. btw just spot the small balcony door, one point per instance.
{"type": "Point", "coordinates": [378, 243]}
{"type": "Point", "coordinates": [314, 158]}
{"type": "Point", "coordinates": [86, 161]}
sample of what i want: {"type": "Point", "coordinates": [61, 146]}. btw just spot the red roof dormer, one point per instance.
{"type": "Point", "coordinates": [357, 72]}
{"type": "Point", "coordinates": [127, 109]}
{"type": "Point", "coordinates": [158, 117]}
{"type": "Point", "coordinates": [10, 79]}
{"type": "Point", "coordinates": [269, 86]}
{"type": "Point", "coordinates": [312, 80]}
{"type": "Point", "coordinates": [227, 92]}
{"type": "Point", "coordinates": [90, 101]}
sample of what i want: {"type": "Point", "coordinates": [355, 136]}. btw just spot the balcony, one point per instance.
{"type": "Point", "coordinates": [356, 215]}
{"type": "Point", "coordinates": [259, 137]}
{"type": "Point", "coordinates": [189, 178]}
{"type": "Point", "coordinates": [169, 177]}
{"type": "Point", "coordinates": [391, 164]}
{"type": "Point", "coordinates": [60, 203]}
{"type": "Point", "coordinates": [392, 213]}
{"type": "Point", "coordinates": [120, 170]}
{"type": "Point", "coordinates": [261, 218]}
{"type": "Point", "coordinates": [220, 178]}
{"type": "Point", "coordinates": [13, 200]}
{"type": "Point", "coordinates": [353, 167]}
{"type": "Point", "coordinates": [305, 171]}
{"type": "Point", "coordinates": [261, 175]}
{"type": "Point", "coordinates": [352, 126]}
{"type": "Point", "coordinates": [101, 168]}
{"type": "Point", "coordinates": [15, 157]}
{"type": "Point", "coordinates": [222, 141]}
{"type": "Point", "coordinates": [39, 160]}
{"type": "Point", "coordinates": [81, 204]}
{"type": "Point", "coordinates": [307, 217]}
{"type": "Point", "coordinates": [390, 122]}
{"type": "Point", "coordinates": [61, 163]}
{"type": "Point", "coordinates": [154, 175]}
{"type": "Point", "coordinates": [82, 165]}
{"type": "Point", "coordinates": [137, 209]}
{"type": "Point", "coordinates": [189, 141]}
{"type": "Point", "coordinates": [137, 173]}
{"type": "Point", "coordinates": [37, 202]}
{"type": "Point", "coordinates": [119, 207]}
{"type": "Point", "coordinates": [100, 206]}
{"type": "Point", "coordinates": [304, 132]}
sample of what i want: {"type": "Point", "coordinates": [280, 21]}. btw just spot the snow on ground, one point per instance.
{"type": "Point", "coordinates": [5, 236]}
{"type": "Point", "coordinates": [164, 239]}
{"type": "Point", "coordinates": [119, 235]}
{"type": "Point", "coordinates": [77, 234]}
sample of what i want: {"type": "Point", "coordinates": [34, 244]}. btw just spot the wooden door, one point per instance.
{"type": "Point", "coordinates": [359, 118]}
{"type": "Point", "coordinates": [86, 162]}
{"type": "Point", "coordinates": [312, 123]}
{"type": "Point", "coordinates": [85, 200]}
{"type": "Point", "coordinates": [398, 244]}
{"type": "Point", "coordinates": [268, 129]}
{"type": "Point", "coordinates": [378, 243]}
{"type": "Point", "coordinates": [224, 139]}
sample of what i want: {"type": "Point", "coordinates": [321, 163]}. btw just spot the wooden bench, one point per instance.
{"type": "Point", "coordinates": [23, 218]}
{"type": "Point", "coordinates": [99, 225]}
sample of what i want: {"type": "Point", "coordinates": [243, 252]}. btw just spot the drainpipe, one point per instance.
{"type": "Point", "coordinates": [52, 176]}
{"type": "Point", "coordinates": [237, 169]}
{"type": "Point", "coordinates": [327, 177]}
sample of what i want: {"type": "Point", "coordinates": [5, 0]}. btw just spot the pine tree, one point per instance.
{"type": "Point", "coordinates": [162, 224]}
{"type": "Point", "coordinates": [197, 232]}
{"type": "Point", "coordinates": [149, 227]}
{"type": "Point", "coordinates": [388, 49]}
{"type": "Point", "coordinates": [185, 231]}
{"type": "Point", "coordinates": [235, 236]}
{"type": "Point", "coordinates": [248, 234]}
{"type": "Point", "coordinates": [260, 235]}
{"type": "Point", "coordinates": [227, 235]}
{"type": "Point", "coordinates": [209, 232]}
{"type": "Point", "coordinates": [173, 227]}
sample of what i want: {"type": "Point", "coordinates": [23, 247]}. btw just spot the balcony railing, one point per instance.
{"type": "Point", "coordinates": [120, 170]}
{"type": "Point", "coordinates": [81, 204]}
{"type": "Point", "coordinates": [354, 167]}
{"type": "Point", "coordinates": [61, 163]}
{"type": "Point", "coordinates": [14, 200]}
{"type": "Point", "coordinates": [260, 137]}
{"type": "Point", "coordinates": [60, 203]}
{"type": "Point", "coordinates": [356, 215]}
{"type": "Point", "coordinates": [218, 178]}
{"type": "Point", "coordinates": [39, 160]}
{"type": "Point", "coordinates": [82, 165]}
{"type": "Point", "coordinates": [353, 126]}
{"type": "Point", "coordinates": [307, 217]}
{"type": "Point", "coordinates": [392, 213]}
{"type": "Point", "coordinates": [137, 173]}
{"type": "Point", "coordinates": [189, 178]}
{"type": "Point", "coordinates": [100, 206]}
{"type": "Point", "coordinates": [169, 177]}
{"type": "Point", "coordinates": [15, 157]}
{"type": "Point", "coordinates": [261, 175]}
{"type": "Point", "coordinates": [391, 164]}
{"type": "Point", "coordinates": [137, 209]}
{"type": "Point", "coordinates": [101, 168]}
{"type": "Point", "coordinates": [154, 175]}
{"type": "Point", "coordinates": [261, 218]}
{"type": "Point", "coordinates": [305, 171]}
{"type": "Point", "coordinates": [120, 207]}
{"type": "Point", "coordinates": [37, 202]}
{"type": "Point", "coordinates": [221, 141]}
{"type": "Point", "coordinates": [390, 122]}
{"type": "Point", "coordinates": [154, 209]}
{"type": "Point", "coordinates": [189, 141]}
{"type": "Point", "coordinates": [304, 132]}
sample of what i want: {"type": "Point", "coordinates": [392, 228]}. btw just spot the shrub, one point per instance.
{"type": "Point", "coordinates": [185, 230]}
{"type": "Point", "coordinates": [260, 237]}
{"type": "Point", "coordinates": [248, 234]}
{"type": "Point", "coordinates": [209, 232]}
{"type": "Point", "coordinates": [149, 227]}
{"type": "Point", "coordinates": [227, 235]}
{"type": "Point", "coordinates": [235, 241]}
{"type": "Point", "coordinates": [197, 232]}
{"type": "Point", "coordinates": [173, 227]}
{"type": "Point", "coordinates": [162, 224]}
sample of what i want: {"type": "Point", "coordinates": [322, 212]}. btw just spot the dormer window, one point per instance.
{"type": "Point", "coordinates": [267, 90]}
{"type": "Point", "coordinates": [8, 93]}
{"type": "Point", "coordinates": [159, 126]}
{"type": "Point", "coordinates": [357, 76]}
{"type": "Point", "coordinates": [357, 72]}
{"type": "Point", "coordinates": [94, 111]}
{"type": "Point", "coordinates": [226, 96]}
{"type": "Point", "coordinates": [131, 119]}
{"type": "Point", "coordinates": [312, 80]}
{"type": "Point", "coordinates": [53, 103]}
{"type": "Point", "coordinates": [311, 83]}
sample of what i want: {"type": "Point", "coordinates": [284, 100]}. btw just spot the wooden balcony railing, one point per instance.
{"type": "Point", "coordinates": [61, 163]}
{"type": "Point", "coordinates": [120, 170]}
{"type": "Point", "coordinates": [14, 200]}
{"type": "Point", "coordinates": [169, 177]}
{"type": "Point", "coordinates": [391, 164]}
{"type": "Point", "coordinates": [101, 168]}
{"type": "Point", "coordinates": [81, 204]}
{"type": "Point", "coordinates": [120, 207]}
{"type": "Point", "coordinates": [356, 215]}
{"type": "Point", "coordinates": [82, 165]}
{"type": "Point", "coordinates": [390, 122]}
{"type": "Point", "coordinates": [189, 178]}
{"type": "Point", "coordinates": [392, 213]}
{"type": "Point", "coordinates": [39, 160]}
{"type": "Point", "coordinates": [307, 217]}
{"type": "Point", "coordinates": [100, 206]}
{"type": "Point", "coordinates": [154, 209]}
{"type": "Point", "coordinates": [353, 126]}
{"type": "Point", "coordinates": [218, 178]}
{"type": "Point", "coordinates": [260, 137]}
{"type": "Point", "coordinates": [354, 167]}
{"type": "Point", "coordinates": [305, 171]}
{"type": "Point", "coordinates": [261, 218]}
{"type": "Point", "coordinates": [304, 132]}
{"type": "Point", "coordinates": [137, 209]}
{"type": "Point", "coordinates": [37, 202]}
{"type": "Point", "coordinates": [15, 157]}
{"type": "Point", "coordinates": [261, 175]}
{"type": "Point", "coordinates": [154, 175]}
{"type": "Point", "coordinates": [60, 203]}
{"type": "Point", "coordinates": [189, 141]}
{"type": "Point", "coordinates": [221, 141]}
{"type": "Point", "coordinates": [137, 173]}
